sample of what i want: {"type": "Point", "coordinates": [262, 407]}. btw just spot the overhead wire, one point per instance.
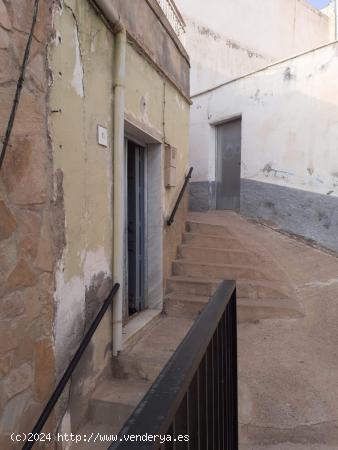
{"type": "Point", "coordinates": [19, 85]}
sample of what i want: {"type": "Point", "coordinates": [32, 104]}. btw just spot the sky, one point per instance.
{"type": "Point", "coordinates": [319, 3]}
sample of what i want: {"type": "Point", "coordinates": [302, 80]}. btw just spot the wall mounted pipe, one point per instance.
{"type": "Point", "coordinates": [110, 14]}
{"type": "Point", "coordinates": [119, 197]}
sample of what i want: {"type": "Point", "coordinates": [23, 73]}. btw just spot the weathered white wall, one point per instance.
{"type": "Point", "coordinates": [330, 11]}
{"type": "Point", "coordinates": [226, 39]}
{"type": "Point", "coordinates": [289, 123]}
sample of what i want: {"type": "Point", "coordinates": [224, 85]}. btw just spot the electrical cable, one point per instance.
{"type": "Point", "coordinates": [19, 85]}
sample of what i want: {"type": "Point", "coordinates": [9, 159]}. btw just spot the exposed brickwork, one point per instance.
{"type": "Point", "coordinates": [27, 253]}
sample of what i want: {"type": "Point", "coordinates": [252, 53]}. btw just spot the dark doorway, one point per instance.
{"type": "Point", "coordinates": [228, 165]}
{"type": "Point", "coordinates": [136, 227]}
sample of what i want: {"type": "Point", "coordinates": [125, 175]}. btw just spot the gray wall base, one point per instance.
{"type": "Point", "coordinates": [310, 215]}
{"type": "Point", "coordinates": [201, 195]}
{"type": "Point", "coordinates": [313, 216]}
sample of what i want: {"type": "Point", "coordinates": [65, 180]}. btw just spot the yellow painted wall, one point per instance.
{"type": "Point", "coordinates": [82, 65]}
{"type": "Point", "coordinates": [155, 104]}
{"type": "Point", "coordinates": [81, 62]}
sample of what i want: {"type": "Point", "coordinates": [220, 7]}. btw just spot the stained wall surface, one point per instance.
{"type": "Point", "coordinates": [289, 139]}
{"type": "Point", "coordinates": [56, 204]}
{"type": "Point", "coordinates": [154, 105]}
{"type": "Point", "coordinates": [81, 62]}
{"type": "Point", "coordinates": [226, 39]}
{"type": "Point", "coordinates": [82, 66]}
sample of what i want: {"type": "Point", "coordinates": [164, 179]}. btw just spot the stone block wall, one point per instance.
{"type": "Point", "coordinates": [27, 236]}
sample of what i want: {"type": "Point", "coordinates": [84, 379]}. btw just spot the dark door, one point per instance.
{"type": "Point", "coordinates": [136, 227]}
{"type": "Point", "coordinates": [228, 165]}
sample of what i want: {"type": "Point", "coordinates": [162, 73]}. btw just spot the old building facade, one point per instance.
{"type": "Point", "coordinates": [98, 154]}
{"type": "Point", "coordinates": [263, 140]}
{"type": "Point", "coordinates": [282, 163]}
{"type": "Point", "coordinates": [236, 37]}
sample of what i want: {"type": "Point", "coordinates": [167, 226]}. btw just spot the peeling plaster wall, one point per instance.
{"type": "Point", "coordinates": [155, 106]}
{"type": "Point", "coordinates": [289, 124]}
{"type": "Point", "coordinates": [81, 63]}
{"type": "Point", "coordinates": [148, 26]}
{"type": "Point", "coordinates": [232, 38]}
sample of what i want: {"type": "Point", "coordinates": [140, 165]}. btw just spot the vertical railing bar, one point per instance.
{"type": "Point", "coordinates": [231, 376]}
{"type": "Point", "coordinates": [235, 412]}
{"type": "Point", "coordinates": [198, 410]}
{"type": "Point", "coordinates": [174, 433]}
{"type": "Point", "coordinates": [225, 381]}
{"type": "Point", "coordinates": [218, 422]}
{"type": "Point", "coordinates": [213, 391]}
{"type": "Point", "coordinates": [228, 382]}
{"type": "Point", "coordinates": [188, 413]}
{"type": "Point", "coordinates": [206, 399]}
{"type": "Point", "coordinates": [222, 381]}
{"type": "Point", "coordinates": [231, 371]}
{"type": "Point", "coordinates": [210, 387]}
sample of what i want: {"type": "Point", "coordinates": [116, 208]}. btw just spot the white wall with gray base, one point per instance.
{"type": "Point", "coordinates": [303, 213]}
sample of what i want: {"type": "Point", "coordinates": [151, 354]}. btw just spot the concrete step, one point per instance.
{"type": "Point", "coordinates": [205, 228]}
{"type": "Point", "coordinates": [251, 311]}
{"type": "Point", "coordinates": [114, 401]}
{"type": "Point", "coordinates": [186, 267]}
{"type": "Point", "coordinates": [307, 436]}
{"type": "Point", "coordinates": [217, 255]}
{"type": "Point", "coordinates": [145, 359]}
{"type": "Point", "coordinates": [192, 286]}
{"type": "Point", "coordinates": [184, 305]}
{"type": "Point", "coordinates": [138, 325]}
{"type": "Point", "coordinates": [260, 289]}
{"type": "Point", "coordinates": [253, 289]}
{"type": "Point", "coordinates": [204, 240]}
{"type": "Point", "coordinates": [248, 310]}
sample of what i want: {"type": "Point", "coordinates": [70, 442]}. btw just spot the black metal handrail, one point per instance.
{"type": "Point", "coordinates": [195, 395]}
{"type": "Point", "coordinates": [70, 369]}
{"type": "Point", "coordinates": [171, 219]}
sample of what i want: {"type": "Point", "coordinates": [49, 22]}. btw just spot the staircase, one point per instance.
{"type": "Point", "coordinates": [210, 253]}
{"type": "Point", "coordinates": [207, 255]}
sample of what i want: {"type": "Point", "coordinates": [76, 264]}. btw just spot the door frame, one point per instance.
{"type": "Point", "coordinates": [213, 166]}
{"type": "Point", "coordinates": [154, 204]}
{"type": "Point", "coordinates": [126, 316]}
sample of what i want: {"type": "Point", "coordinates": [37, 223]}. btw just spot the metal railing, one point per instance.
{"type": "Point", "coordinates": [195, 395]}
{"type": "Point", "coordinates": [34, 435]}
{"type": "Point", "coordinates": [173, 15]}
{"type": "Point", "coordinates": [171, 219]}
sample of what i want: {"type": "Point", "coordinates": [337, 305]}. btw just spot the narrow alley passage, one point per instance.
{"type": "Point", "coordinates": [288, 365]}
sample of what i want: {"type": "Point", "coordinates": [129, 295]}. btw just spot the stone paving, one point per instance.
{"type": "Point", "coordinates": [288, 367]}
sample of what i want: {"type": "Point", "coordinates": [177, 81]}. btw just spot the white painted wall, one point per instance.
{"type": "Point", "coordinates": [289, 123]}
{"type": "Point", "coordinates": [228, 38]}
{"type": "Point", "coordinates": [330, 10]}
